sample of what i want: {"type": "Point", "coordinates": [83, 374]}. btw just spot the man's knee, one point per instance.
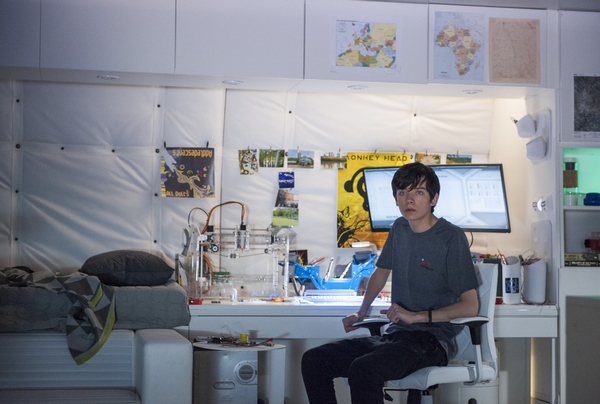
{"type": "Point", "coordinates": [312, 359]}
{"type": "Point", "coordinates": [361, 371]}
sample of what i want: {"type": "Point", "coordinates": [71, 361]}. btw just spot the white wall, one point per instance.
{"type": "Point", "coordinates": [87, 171]}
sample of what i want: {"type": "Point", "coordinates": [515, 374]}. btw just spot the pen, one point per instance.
{"type": "Point", "coordinates": [329, 269]}
{"type": "Point", "coordinates": [346, 269]}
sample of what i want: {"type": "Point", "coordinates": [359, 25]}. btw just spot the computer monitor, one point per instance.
{"type": "Point", "coordinates": [472, 196]}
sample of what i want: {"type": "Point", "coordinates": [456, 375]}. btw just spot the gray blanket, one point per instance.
{"type": "Point", "coordinates": [91, 316]}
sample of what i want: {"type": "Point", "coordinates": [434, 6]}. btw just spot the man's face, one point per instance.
{"type": "Point", "coordinates": [415, 203]}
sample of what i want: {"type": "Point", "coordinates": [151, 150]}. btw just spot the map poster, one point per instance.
{"type": "Point", "coordinates": [365, 45]}
{"type": "Point", "coordinates": [353, 222]}
{"type": "Point", "coordinates": [458, 44]}
{"type": "Point", "coordinates": [515, 50]}
{"type": "Point", "coordinates": [586, 108]}
{"type": "Point", "coordinates": [188, 173]}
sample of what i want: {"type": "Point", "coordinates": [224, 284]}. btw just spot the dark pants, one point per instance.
{"type": "Point", "coordinates": [367, 363]}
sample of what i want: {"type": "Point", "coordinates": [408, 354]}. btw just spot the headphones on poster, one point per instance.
{"type": "Point", "coordinates": [360, 187]}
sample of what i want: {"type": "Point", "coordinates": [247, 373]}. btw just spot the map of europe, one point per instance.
{"type": "Point", "coordinates": [365, 44]}
{"type": "Point", "coordinates": [458, 48]}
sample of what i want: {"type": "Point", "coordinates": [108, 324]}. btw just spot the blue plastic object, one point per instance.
{"type": "Point", "coordinates": [362, 267]}
{"type": "Point", "coordinates": [592, 199]}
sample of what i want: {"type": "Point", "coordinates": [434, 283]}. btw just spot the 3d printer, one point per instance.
{"type": "Point", "coordinates": [205, 244]}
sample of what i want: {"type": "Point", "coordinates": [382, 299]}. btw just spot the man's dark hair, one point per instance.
{"type": "Point", "coordinates": [409, 176]}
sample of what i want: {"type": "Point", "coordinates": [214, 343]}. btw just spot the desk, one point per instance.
{"type": "Point", "coordinates": [299, 321]}
{"type": "Point", "coordinates": [300, 326]}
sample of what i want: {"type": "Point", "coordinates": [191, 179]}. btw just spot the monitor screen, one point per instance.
{"type": "Point", "coordinates": [472, 196]}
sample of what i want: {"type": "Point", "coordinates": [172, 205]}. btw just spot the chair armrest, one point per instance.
{"type": "Point", "coordinates": [474, 324]}
{"type": "Point", "coordinates": [373, 324]}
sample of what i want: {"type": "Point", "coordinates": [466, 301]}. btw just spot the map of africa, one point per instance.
{"type": "Point", "coordinates": [458, 47]}
{"type": "Point", "coordinates": [365, 44]}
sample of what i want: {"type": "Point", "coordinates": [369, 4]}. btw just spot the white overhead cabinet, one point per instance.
{"type": "Point", "coordinates": [259, 43]}
{"type": "Point", "coordinates": [364, 43]}
{"type": "Point", "coordinates": [20, 34]}
{"type": "Point", "coordinates": [107, 36]}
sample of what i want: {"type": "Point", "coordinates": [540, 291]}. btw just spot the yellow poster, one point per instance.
{"type": "Point", "coordinates": [352, 215]}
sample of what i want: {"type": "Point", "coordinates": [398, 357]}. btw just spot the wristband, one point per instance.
{"type": "Point", "coordinates": [429, 315]}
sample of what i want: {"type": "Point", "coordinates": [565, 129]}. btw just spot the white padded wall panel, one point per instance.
{"type": "Point", "coordinates": [256, 119]}
{"type": "Point", "coordinates": [89, 170]}
{"type": "Point", "coordinates": [260, 119]}
{"type": "Point", "coordinates": [77, 204]}
{"type": "Point", "coordinates": [352, 122]}
{"type": "Point", "coordinates": [6, 102]}
{"type": "Point", "coordinates": [328, 122]}
{"type": "Point", "coordinates": [96, 115]}
{"type": "Point", "coordinates": [451, 124]}
{"type": "Point", "coordinates": [6, 163]}
{"type": "Point", "coordinates": [85, 198]}
{"type": "Point", "coordinates": [316, 190]}
{"type": "Point", "coordinates": [192, 117]}
{"type": "Point", "coordinates": [6, 195]}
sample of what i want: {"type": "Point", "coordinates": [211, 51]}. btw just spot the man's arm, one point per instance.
{"type": "Point", "coordinates": [376, 283]}
{"type": "Point", "coordinates": [467, 306]}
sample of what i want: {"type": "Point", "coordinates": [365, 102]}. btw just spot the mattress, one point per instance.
{"type": "Point", "coordinates": [24, 308]}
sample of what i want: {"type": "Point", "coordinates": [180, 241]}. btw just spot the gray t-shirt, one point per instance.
{"type": "Point", "coordinates": [429, 270]}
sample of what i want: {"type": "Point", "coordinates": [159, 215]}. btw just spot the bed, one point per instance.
{"type": "Point", "coordinates": [122, 289]}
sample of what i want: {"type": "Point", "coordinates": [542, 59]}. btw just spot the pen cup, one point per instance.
{"type": "Point", "coordinates": [534, 282]}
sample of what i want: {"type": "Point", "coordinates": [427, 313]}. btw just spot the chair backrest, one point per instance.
{"type": "Point", "coordinates": [488, 281]}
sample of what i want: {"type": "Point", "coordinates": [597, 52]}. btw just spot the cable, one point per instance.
{"type": "Point", "coordinates": [190, 214]}
{"type": "Point", "coordinates": [223, 204]}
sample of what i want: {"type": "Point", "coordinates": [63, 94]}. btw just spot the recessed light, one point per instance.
{"type": "Point", "coordinates": [233, 82]}
{"type": "Point", "coordinates": [472, 91]}
{"type": "Point", "coordinates": [108, 77]}
{"type": "Point", "coordinates": [357, 87]}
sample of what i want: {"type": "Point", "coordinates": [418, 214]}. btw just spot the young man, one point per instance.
{"type": "Point", "coordinates": [433, 282]}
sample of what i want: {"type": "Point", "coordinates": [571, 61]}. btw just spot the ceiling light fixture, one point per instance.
{"type": "Point", "coordinates": [233, 82]}
{"type": "Point", "coordinates": [357, 87]}
{"type": "Point", "coordinates": [108, 77]}
{"type": "Point", "coordinates": [472, 91]}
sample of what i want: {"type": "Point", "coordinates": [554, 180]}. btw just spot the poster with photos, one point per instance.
{"type": "Point", "coordinates": [248, 161]}
{"type": "Point", "coordinates": [300, 158]}
{"type": "Point", "coordinates": [334, 161]}
{"type": "Point", "coordinates": [271, 158]}
{"type": "Point", "coordinates": [285, 212]}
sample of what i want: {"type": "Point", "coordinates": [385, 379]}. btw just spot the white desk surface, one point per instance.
{"type": "Point", "coordinates": [293, 320]}
{"type": "Point", "coordinates": [219, 347]}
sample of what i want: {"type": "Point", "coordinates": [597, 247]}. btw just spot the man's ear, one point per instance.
{"type": "Point", "coordinates": [434, 200]}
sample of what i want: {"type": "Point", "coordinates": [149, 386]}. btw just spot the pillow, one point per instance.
{"type": "Point", "coordinates": [128, 268]}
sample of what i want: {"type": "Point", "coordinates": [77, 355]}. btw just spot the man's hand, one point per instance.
{"type": "Point", "coordinates": [396, 313]}
{"type": "Point", "coordinates": [348, 321]}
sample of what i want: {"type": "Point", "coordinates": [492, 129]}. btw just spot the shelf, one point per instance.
{"type": "Point", "coordinates": [579, 208]}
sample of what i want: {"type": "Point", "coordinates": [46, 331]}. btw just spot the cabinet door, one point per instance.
{"type": "Point", "coordinates": [579, 56]}
{"type": "Point", "coordinates": [20, 39]}
{"type": "Point", "coordinates": [232, 38]}
{"type": "Point", "coordinates": [109, 35]}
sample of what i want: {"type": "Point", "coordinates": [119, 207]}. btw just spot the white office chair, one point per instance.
{"type": "Point", "coordinates": [476, 359]}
